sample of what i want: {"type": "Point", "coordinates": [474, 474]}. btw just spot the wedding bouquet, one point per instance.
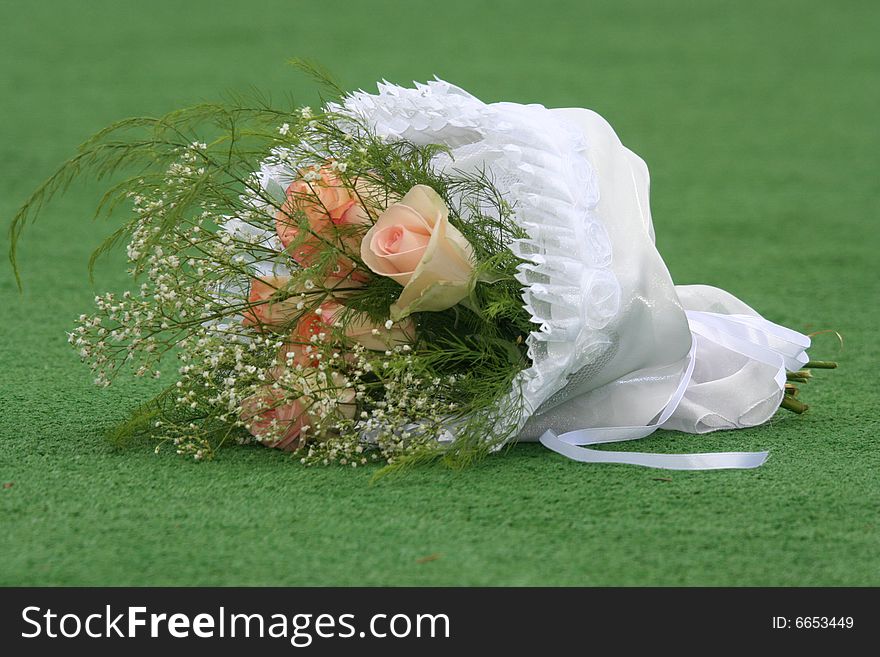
{"type": "Point", "coordinates": [409, 276]}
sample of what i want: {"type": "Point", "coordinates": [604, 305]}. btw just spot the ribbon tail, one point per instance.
{"type": "Point", "coordinates": [704, 461]}
{"type": "Point", "coordinates": [753, 337]}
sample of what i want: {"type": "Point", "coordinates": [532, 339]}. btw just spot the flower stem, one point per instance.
{"type": "Point", "coordinates": [793, 405]}
{"type": "Point", "coordinates": [821, 365]}
{"type": "Point", "coordinates": [801, 376]}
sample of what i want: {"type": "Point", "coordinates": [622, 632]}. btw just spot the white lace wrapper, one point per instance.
{"type": "Point", "coordinates": [618, 350]}
{"type": "Point", "coordinates": [540, 165]}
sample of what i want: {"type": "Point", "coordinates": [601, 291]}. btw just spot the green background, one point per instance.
{"type": "Point", "coordinates": [759, 123]}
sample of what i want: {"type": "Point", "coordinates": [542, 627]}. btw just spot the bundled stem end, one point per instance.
{"type": "Point", "coordinates": [789, 399]}
{"type": "Point", "coordinates": [793, 405]}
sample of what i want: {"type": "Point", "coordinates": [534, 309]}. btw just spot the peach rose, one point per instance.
{"type": "Point", "coordinates": [278, 421]}
{"type": "Point", "coordinates": [360, 329]}
{"type": "Point", "coordinates": [376, 337]}
{"type": "Point", "coordinates": [263, 310]}
{"type": "Point", "coordinates": [414, 243]}
{"type": "Point", "coordinates": [274, 420]}
{"type": "Point", "coordinates": [333, 211]}
{"type": "Point", "coordinates": [266, 312]}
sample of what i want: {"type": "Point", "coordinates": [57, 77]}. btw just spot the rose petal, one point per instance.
{"type": "Point", "coordinates": [372, 254]}
{"type": "Point", "coordinates": [402, 249]}
{"type": "Point", "coordinates": [263, 311]}
{"type": "Point", "coordinates": [425, 202]}
{"type": "Point", "coordinates": [434, 296]}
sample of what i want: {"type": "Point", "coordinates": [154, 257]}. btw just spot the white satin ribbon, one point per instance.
{"type": "Point", "coordinates": [753, 337]}
{"type": "Point", "coordinates": [707, 461]}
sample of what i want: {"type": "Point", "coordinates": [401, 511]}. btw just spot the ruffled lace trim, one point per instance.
{"type": "Point", "coordinates": [539, 163]}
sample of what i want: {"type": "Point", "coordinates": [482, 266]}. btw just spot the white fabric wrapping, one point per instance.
{"type": "Point", "coordinates": [651, 327]}
{"type": "Point", "coordinates": [613, 345]}
{"type": "Point", "coordinates": [728, 389]}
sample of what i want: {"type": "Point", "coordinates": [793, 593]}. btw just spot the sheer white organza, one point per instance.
{"type": "Point", "coordinates": [613, 337]}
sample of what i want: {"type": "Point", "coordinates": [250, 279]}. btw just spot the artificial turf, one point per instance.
{"type": "Point", "coordinates": [759, 123]}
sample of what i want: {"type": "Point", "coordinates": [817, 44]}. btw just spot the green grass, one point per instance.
{"type": "Point", "coordinates": [759, 123]}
